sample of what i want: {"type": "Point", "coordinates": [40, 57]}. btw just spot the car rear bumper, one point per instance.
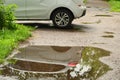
{"type": "Point", "coordinates": [80, 11]}
{"type": "Point", "coordinates": [84, 13]}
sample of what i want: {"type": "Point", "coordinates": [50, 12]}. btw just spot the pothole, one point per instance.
{"type": "Point", "coordinates": [103, 15]}
{"type": "Point", "coordinates": [108, 36]}
{"type": "Point", "coordinates": [37, 67]}
{"type": "Point", "coordinates": [107, 32]}
{"type": "Point", "coordinates": [46, 63]}
{"type": "Point", "coordinates": [96, 22]}
{"type": "Point", "coordinates": [98, 43]}
{"type": "Point", "coordinates": [60, 49]}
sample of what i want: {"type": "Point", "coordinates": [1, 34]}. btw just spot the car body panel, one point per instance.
{"type": "Point", "coordinates": [42, 9]}
{"type": "Point", "coordinates": [21, 8]}
{"type": "Point", "coordinates": [75, 9]}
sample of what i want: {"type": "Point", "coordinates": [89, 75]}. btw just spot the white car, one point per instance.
{"type": "Point", "coordinates": [61, 12]}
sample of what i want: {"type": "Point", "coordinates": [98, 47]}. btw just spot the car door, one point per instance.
{"type": "Point", "coordinates": [33, 9]}
{"type": "Point", "coordinates": [20, 11]}
{"type": "Point", "coordinates": [38, 9]}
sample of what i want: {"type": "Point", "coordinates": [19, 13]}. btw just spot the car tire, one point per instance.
{"type": "Point", "coordinates": [62, 18]}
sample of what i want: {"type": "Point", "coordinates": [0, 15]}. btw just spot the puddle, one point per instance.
{"type": "Point", "coordinates": [104, 15]}
{"type": "Point", "coordinates": [52, 63]}
{"type": "Point", "coordinates": [58, 54]}
{"type": "Point", "coordinates": [108, 36]}
{"type": "Point", "coordinates": [98, 43]}
{"type": "Point", "coordinates": [29, 70]}
{"type": "Point", "coordinates": [37, 67]}
{"type": "Point", "coordinates": [60, 49]}
{"type": "Point", "coordinates": [96, 22]}
{"type": "Point", "coordinates": [109, 32]}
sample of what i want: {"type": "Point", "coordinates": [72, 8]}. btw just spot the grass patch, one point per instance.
{"type": "Point", "coordinates": [9, 39]}
{"type": "Point", "coordinates": [85, 1]}
{"type": "Point", "coordinates": [115, 5]}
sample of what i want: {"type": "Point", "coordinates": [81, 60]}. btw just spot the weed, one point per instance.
{"type": "Point", "coordinates": [7, 16]}
{"type": "Point", "coordinates": [9, 39]}
{"type": "Point", "coordinates": [115, 5]}
{"type": "Point", "coordinates": [10, 32]}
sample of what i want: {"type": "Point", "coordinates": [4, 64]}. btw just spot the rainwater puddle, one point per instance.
{"type": "Point", "coordinates": [57, 63]}
{"type": "Point", "coordinates": [108, 36]}
{"type": "Point", "coordinates": [107, 32]}
{"type": "Point", "coordinates": [37, 67]}
{"type": "Point", "coordinates": [96, 22]}
{"type": "Point", "coordinates": [104, 15]}
{"type": "Point", "coordinates": [51, 54]}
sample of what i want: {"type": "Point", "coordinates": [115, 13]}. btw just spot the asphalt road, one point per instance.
{"type": "Point", "coordinates": [99, 28]}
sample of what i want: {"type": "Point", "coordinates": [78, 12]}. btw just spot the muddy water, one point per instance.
{"type": "Point", "coordinates": [51, 63]}
{"type": "Point", "coordinates": [39, 67]}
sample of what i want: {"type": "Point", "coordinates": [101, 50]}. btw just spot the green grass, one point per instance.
{"type": "Point", "coordinates": [85, 1]}
{"type": "Point", "coordinates": [9, 39]}
{"type": "Point", "coordinates": [115, 5]}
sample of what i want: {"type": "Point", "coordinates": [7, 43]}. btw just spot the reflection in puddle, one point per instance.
{"type": "Point", "coordinates": [36, 66]}
{"type": "Point", "coordinates": [54, 54]}
{"type": "Point", "coordinates": [60, 49]}
{"type": "Point", "coordinates": [52, 63]}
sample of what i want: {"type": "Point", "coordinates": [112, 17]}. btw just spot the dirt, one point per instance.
{"type": "Point", "coordinates": [85, 35]}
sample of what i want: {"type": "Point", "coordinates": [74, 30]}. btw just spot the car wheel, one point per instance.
{"type": "Point", "coordinates": [62, 18]}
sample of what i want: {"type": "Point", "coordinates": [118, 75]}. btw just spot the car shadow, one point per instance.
{"type": "Point", "coordinates": [49, 26]}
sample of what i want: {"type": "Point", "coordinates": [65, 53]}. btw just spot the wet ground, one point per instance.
{"type": "Point", "coordinates": [99, 28]}
{"type": "Point", "coordinates": [58, 54]}
{"type": "Point", "coordinates": [57, 62]}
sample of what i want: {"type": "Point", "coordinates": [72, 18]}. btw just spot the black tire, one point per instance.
{"type": "Point", "coordinates": [62, 18]}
